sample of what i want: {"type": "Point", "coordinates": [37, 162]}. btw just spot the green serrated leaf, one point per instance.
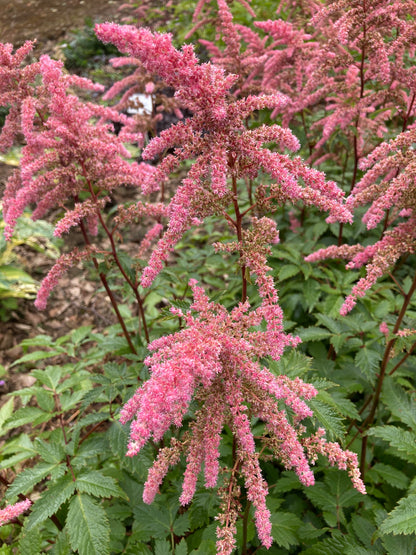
{"type": "Point", "coordinates": [27, 415]}
{"type": "Point", "coordinates": [79, 334]}
{"type": "Point", "coordinates": [45, 400]}
{"type": "Point", "coordinates": [97, 484]}
{"type": "Point", "coordinates": [322, 498]}
{"type": "Point", "coordinates": [181, 525]}
{"type": "Point", "coordinates": [71, 399]}
{"type": "Point", "coordinates": [62, 544]}
{"type": "Point", "coordinates": [401, 403]}
{"type": "Point", "coordinates": [30, 541]}
{"type": "Point", "coordinates": [313, 334]}
{"type": "Point", "coordinates": [364, 529]}
{"type": "Point", "coordinates": [37, 355]}
{"type": "Point", "coordinates": [153, 520]}
{"type": "Point", "coordinates": [368, 361]}
{"type": "Point", "coordinates": [331, 546]}
{"type": "Point", "coordinates": [21, 449]}
{"type": "Point", "coordinates": [288, 271]}
{"type": "Point", "coordinates": [391, 475]}
{"type": "Point", "coordinates": [50, 376]}
{"type": "Point", "coordinates": [403, 545]}
{"type": "Point", "coordinates": [88, 527]}
{"type": "Point", "coordinates": [291, 364]}
{"type": "Point", "coordinates": [344, 406]}
{"type": "Point", "coordinates": [327, 417]}
{"type": "Point", "coordinates": [162, 547]}
{"type": "Point", "coordinates": [284, 529]}
{"type": "Point", "coordinates": [181, 548]}
{"type": "Point", "coordinates": [6, 412]}
{"type": "Point", "coordinates": [402, 519]}
{"type": "Point", "coordinates": [402, 441]}
{"type": "Point", "coordinates": [51, 500]}
{"type": "Point", "coordinates": [41, 340]}
{"type": "Point", "coordinates": [333, 325]}
{"type": "Point", "coordinates": [50, 452]}
{"type": "Point", "coordinates": [26, 480]}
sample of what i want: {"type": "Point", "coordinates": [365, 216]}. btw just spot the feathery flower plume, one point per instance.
{"type": "Point", "coordinates": [357, 73]}
{"type": "Point", "coordinates": [217, 139]}
{"type": "Point", "coordinates": [216, 360]}
{"type": "Point", "coordinates": [71, 148]}
{"type": "Point", "coordinates": [389, 186]}
{"type": "Point", "coordinates": [13, 511]}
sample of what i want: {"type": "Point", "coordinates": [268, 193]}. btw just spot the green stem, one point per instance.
{"type": "Point", "coordinates": [245, 526]}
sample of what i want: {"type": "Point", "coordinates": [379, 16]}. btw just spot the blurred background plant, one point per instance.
{"type": "Point", "coordinates": [15, 281]}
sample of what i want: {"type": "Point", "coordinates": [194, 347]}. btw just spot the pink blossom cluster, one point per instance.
{"type": "Point", "coordinates": [13, 511]}
{"type": "Point", "coordinates": [60, 268]}
{"type": "Point", "coordinates": [282, 57]}
{"type": "Point", "coordinates": [216, 360]}
{"type": "Point", "coordinates": [71, 149]}
{"type": "Point", "coordinates": [64, 149]}
{"type": "Point", "coordinates": [217, 140]}
{"type": "Point", "coordinates": [345, 460]}
{"type": "Point", "coordinates": [388, 182]}
{"type": "Point", "coordinates": [388, 185]}
{"type": "Point", "coordinates": [141, 82]}
{"type": "Point", "coordinates": [359, 48]}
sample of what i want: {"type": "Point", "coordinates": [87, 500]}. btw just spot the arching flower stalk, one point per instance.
{"type": "Point", "coordinates": [389, 187]}
{"type": "Point", "coordinates": [215, 361]}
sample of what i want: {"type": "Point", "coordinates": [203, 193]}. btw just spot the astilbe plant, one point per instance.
{"type": "Point", "coordinates": [72, 160]}
{"type": "Point", "coordinates": [388, 181]}
{"type": "Point", "coordinates": [219, 398]}
{"type": "Point", "coordinates": [217, 358]}
{"type": "Point", "coordinates": [382, 32]}
{"type": "Point", "coordinates": [389, 186]}
{"type": "Point", "coordinates": [360, 72]}
{"type": "Point", "coordinates": [278, 58]}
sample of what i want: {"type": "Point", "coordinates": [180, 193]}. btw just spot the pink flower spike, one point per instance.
{"type": "Point", "coordinates": [13, 511]}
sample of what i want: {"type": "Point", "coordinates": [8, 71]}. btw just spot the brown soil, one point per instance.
{"type": "Point", "coordinates": [49, 20]}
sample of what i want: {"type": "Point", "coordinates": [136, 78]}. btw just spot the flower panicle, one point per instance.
{"type": "Point", "coordinates": [216, 359]}
{"type": "Point", "coordinates": [14, 511]}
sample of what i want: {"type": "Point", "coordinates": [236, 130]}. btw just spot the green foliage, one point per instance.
{"type": "Point", "coordinates": [15, 282]}
{"type": "Point", "coordinates": [88, 494]}
{"type": "Point", "coordinates": [402, 520]}
{"type": "Point", "coordinates": [88, 526]}
{"type": "Point", "coordinates": [84, 51]}
{"type": "Point", "coordinates": [65, 446]}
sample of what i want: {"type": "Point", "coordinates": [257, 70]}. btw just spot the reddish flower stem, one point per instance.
{"type": "Point", "coordinates": [134, 286]}
{"type": "Point", "coordinates": [109, 293]}
{"type": "Point", "coordinates": [383, 368]}
{"type": "Point", "coordinates": [357, 119]}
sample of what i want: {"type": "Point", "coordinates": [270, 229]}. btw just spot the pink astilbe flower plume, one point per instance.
{"type": "Point", "coordinates": [216, 360]}
{"type": "Point", "coordinates": [389, 186]}
{"type": "Point", "coordinates": [358, 74]}
{"type": "Point", "coordinates": [217, 139]}
{"type": "Point", "coordinates": [13, 511]}
{"type": "Point", "coordinates": [70, 149]}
